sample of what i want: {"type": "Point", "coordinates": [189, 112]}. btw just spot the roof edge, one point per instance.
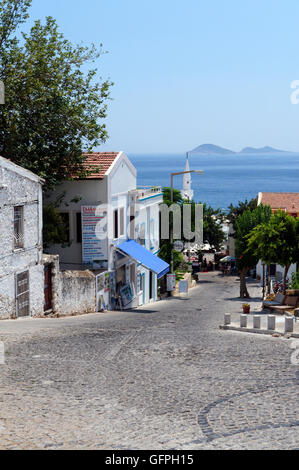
{"type": "Point", "coordinates": [8, 165]}
{"type": "Point", "coordinates": [116, 161]}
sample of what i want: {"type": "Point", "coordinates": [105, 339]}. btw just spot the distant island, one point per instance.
{"type": "Point", "coordinates": [262, 150]}
{"type": "Point", "coordinates": [210, 149]}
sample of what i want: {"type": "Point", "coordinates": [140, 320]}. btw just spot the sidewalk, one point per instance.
{"type": "Point", "coordinates": [279, 328]}
{"type": "Point", "coordinates": [256, 308]}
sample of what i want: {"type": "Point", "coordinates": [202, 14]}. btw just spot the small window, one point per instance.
{"type": "Point", "coordinates": [122, 222]}
{"type": "Point", "coordinates": [142, 235]}
{"type": "Point", "coordinates": [115, 217]}
{"type": "Point", "coordinates": [132, 227]}
{"type": "Point", "coordinates": [78, 227]}
{"type": "Point", "coordinates": [152, 234]}
{"type": "Point", "coordinates": [19, 227]}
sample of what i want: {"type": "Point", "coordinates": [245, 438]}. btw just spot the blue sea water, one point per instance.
{"type": "Point", "coordinates": [226, 179]}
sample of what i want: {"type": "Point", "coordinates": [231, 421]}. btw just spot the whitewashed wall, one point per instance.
{"type": "Point", "coordinates": [89, 192]}
{"type": "Point", "coordinates": [18, 189]}
{"type": "Point", "coordinates": [279, 269]}
{"type": "Point", "coordinates": [148, 216]}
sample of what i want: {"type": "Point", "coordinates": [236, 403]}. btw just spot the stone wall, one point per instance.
{"type": "Point", "coordinates": [18, 187]}
{"type": "Point", "coordinates": [73, 292]}
{"type": "Point", "coordinates": [78, 290]}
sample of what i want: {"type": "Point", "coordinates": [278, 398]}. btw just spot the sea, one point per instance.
{"type": "Point", "coordinates": [227, 179]}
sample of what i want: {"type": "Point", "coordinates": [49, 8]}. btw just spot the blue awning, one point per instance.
{"type": "Point", "coordinates": [144, 257]}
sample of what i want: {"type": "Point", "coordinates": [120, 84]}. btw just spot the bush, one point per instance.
{"type": "Point", "coordinates": [294, 281]}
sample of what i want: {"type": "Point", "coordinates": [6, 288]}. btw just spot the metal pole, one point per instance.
{"type": "Point", "coordinates": [171, 227]}
{"type": "Point", "coordinates": [263, 282]}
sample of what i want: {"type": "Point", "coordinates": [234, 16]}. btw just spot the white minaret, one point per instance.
{"type": "Point", "coordinates": [187, 192]}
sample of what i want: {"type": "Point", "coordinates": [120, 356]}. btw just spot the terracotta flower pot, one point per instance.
{"type": "Point", "coordinates": [246, 309]}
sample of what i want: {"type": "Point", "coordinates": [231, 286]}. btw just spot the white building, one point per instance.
{"type": "Point", "coordinates": [103, 211]}
{"type": "Point", "coordinates": [288, 203]}
{"type": "Point", "coordinates": [21, 268]}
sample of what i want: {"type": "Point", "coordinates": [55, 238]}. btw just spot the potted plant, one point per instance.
{"type": "Point", "coordinates": [294, 285]}
{"type": "Point", "coordinates": [246, 308]}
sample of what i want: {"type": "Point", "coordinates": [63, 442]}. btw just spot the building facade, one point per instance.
{"type": "Point", "coordinates": [21, 268]}
{"type": "Point", "coordinates": [289, 203]}
{"type": "Point", "coordinates": [103, 211]}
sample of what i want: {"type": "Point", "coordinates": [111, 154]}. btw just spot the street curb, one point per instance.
{"type": "Point", "coordinates": [260, 332]}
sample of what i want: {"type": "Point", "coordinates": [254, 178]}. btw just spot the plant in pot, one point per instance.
{"type": "Point", "coordinates": [294, 285]}
{"type": "Point", "coordinates": [246, 308]}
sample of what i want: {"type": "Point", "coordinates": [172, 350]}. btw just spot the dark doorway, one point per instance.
{"type": "Point", "coordinates": [272, 269]}
{"type": "Point", "coordinates": [48, 287]}
{"type": "Point", "coordinates": [151, 285]}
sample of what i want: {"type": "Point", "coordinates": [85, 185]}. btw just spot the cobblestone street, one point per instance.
{"type": "Point", "coordinates": [162, 377]}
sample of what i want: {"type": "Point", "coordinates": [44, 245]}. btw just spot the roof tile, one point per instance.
{"type": "Point", "coordinates": [101, 161]}
{"type": "Point", "coordinates": [285, 201]}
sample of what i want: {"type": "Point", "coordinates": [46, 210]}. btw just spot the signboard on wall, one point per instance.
{"type": "Point", "coordinates": [94, 236]}
{"type": "Point", "coordinates": [183, 287]}
{"type": "Point", "coordinates": [127, 295]}
{"type": "Point", "coordinates": [171, 282]}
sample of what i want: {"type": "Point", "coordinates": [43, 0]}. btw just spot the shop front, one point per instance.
{"type": "Point", "coordinates": [137, 274]}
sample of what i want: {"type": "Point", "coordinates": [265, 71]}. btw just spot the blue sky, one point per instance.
{"type": "Point", "coordinates": [193, 71]}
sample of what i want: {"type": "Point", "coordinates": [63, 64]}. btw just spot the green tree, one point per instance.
{"type": "Point", "coordinates": [12, 14]}
{"type": "Point", "coordinates": [165, 245]}
{"type": "Point", "coordinates": [212, 227]}
{"type": "Point", "coordinates": [212, 230]}
{"type": "Point", "coordinates": [213, 234]}
{"type": "Point", "coordinates": [165, 254]}
{"type": "Point", "coordinates": [54, 110]}
{"type": "Point", "coordinates": [55, 227]}
{"type": "Point", "coordinates": [248, 258]}
{"type": "Point", "coordinates": [55, 230]}
{"type": "Point", "coordinates": [177, 196]}
{"type": "Point", "coordinates": [275, 241]}
{"type": "Point", "coordinates": [235, 211]}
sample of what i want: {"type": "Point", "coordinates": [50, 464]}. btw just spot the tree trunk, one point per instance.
{"type": "Point", "coordinates": [286, 270]}
{"type": "Point", "coordinates": [243, 288]}
{"type": "Point", "coordinates": [268, 280]}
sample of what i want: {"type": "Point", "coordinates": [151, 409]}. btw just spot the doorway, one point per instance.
{"type": "Point", "coordinates": [48, 287]}
{"type": "Point", "coordinates": [151, 285]}
{"type": "Point", "coordinates": [22, 294]}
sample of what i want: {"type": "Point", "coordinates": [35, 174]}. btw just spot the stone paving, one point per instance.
{"type": "Point", "coordinates": [163, 377]}
{"type": "Point", "coordinates": [257, 309]}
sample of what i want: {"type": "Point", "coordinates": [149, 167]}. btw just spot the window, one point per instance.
{"type": "Point", "coordinates": [115, 218]}
{"type": "Point", "coordinates": [122, 222]}
{"type": "Point", "coordinates": [19, 227]}
{"type": "Point", "coordinates": [132, 227]}
{"type": "Point", "coordinates": [142, 234]}
{"type": "Point", "coordinates": [66, 221]}
{"type": "Point", "coordinates": [152, 234]}
{"type": "Point", "coordinates": [78, 227]}
{"type": "Point", "coordinates": [133, 273]}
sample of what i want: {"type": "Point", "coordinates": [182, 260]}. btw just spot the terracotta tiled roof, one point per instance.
{"type": "Point", "coordinates": [102, 161]}
{"type": "Point", "coordinates": [285, 201]}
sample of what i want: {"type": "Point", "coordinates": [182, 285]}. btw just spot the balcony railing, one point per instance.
{"type": "Point", "coordinates": [144, 191]}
